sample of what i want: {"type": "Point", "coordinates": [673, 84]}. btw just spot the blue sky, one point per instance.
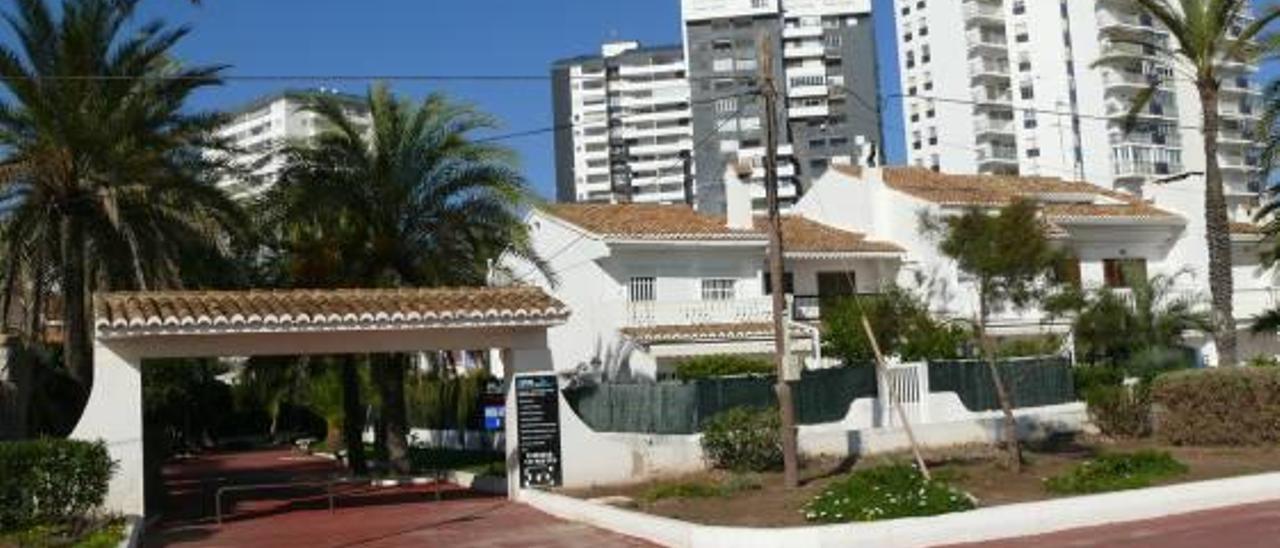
{"type": "Point", "coordinates": [368, 37]}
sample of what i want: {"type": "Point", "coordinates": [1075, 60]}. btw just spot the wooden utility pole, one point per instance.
{"type": "Point", "coordinates": [769, 94]}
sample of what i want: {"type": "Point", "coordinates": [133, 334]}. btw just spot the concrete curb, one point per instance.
{"type": "Point", "coordinates": [985, 524]}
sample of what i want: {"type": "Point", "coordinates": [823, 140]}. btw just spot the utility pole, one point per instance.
{"type": "Point", "coordinates": [769, 94]}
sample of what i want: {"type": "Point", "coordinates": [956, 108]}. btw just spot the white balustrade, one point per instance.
{"type": "Point", "coordinates": [651, 313]}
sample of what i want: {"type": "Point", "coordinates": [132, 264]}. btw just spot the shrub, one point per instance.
{"type": "Point", "coordinates": [744, 439]}
{"type": "Point", "coordinates": [1225, 406]}
{"type": "Point", "coordinates": [1090, 377]}
{"type": "Point", "coordinates": [1116, 472]}
{"type": "Point", "coordinates": [885, 492]}
{"type": "Point", "coordinates": [1119, 411]}
{"type": "Point", "coordinates": [1264, 361]}
{"type": "Point", "coordinates": [902, 325]}
{"type": "Point", "coordinates": [1149, 363]}
{"type": "Point", "coordinates": [51, 481]}
{"type": "Point", "coordinates": [723, 365]}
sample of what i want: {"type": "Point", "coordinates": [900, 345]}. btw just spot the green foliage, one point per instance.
{"type": "Point", "coordinates": [744, 439]}
{"type": "Point", "coordinates": [1120, 411]}
{"type": "Point", "coordinates": [1225, 406]}
{"type": "Point", "coordinates": [1094, 376]}
{"type": "Point", "coordinates": [446, 403]}
{"type": "Point", "coordinates": [1154, 361]}
{"type": "Point", "coordinates": [1116, 472]}
{"type": "Point", "coordinates": [51, 482]}
{"type": "Point", "coordinates": [1025, 347]}
{"type": "Point", "coordinates": [87, 534]}
{"type": "Point", "coordinates": [722, 365]}
{"type": "Point", "coordinates": [1116, 327]}
{"type": "Point", "coordinates": [1009, 253]}
{"type": "Point", "coordinates": [885, 492]}
{"type": "Point", "coordinates": [701, 489]}
{"type": "Point", "coordinates": [901, 323]}
{"type": "Point", "coordinates": [1264, 361]}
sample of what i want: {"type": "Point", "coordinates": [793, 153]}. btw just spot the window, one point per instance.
{"type": "Point", "coordinates": [641, 289]}
{"type": "Point", "coordinates": [1033, 153]}
{"type": "Point", "coordinates": [788, 283]}
{"type": "Point", "coordinates": [758, 4]}
{"type": "Point", "coordinates": [1121, 273]}
{"type": "Point", "coordinates": [1027, 91]}
{"type": "Point", "coordinates": [1029, 119]}
{"type": "Point", "coordinates": [1066, 271]}
{"type": "Point", "coordinates": [726, 105]}
{"type": "Point", "coordinates": [717, 289]}
{"type": "Point", "coordinates": [925, 54]}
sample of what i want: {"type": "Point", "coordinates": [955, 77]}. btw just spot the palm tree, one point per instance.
{"type": "Point", "coordinates": [1208, 34]}
{"type": "Point", "coordinates": [104, 183]}
{"type": "Point", "coordinates": [404, 199]}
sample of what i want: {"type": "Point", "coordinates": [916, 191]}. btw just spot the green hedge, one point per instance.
{"type": "Point", "coordinates": [1225, 406]}
{"type": "Point", "coordinates": [51, 481]}
{"type": "Point", "coordinates": [722, 365]}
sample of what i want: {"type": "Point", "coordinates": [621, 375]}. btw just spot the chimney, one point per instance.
{"type": "Point", "coordinates": [737, 197]}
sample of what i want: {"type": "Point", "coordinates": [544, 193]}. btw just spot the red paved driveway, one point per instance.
{"type": "Point", "coordinates": [1239, 527]}
{"type": "Point", "coordinates": [364, 516]}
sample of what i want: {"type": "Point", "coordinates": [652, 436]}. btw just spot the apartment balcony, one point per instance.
{"type": "Point", "coordinates": [989, 128]}
{"type": "Point", "coordinates": [1144, 139]}
{"type": "Point", "coordinates": [1237, 164]}
{"type": "Point", "coordinates": [1238, 87]}
{"type": "Point", "coordinates": [983, 97]}
{"type": "Point", "coordinates": [1112, 50]}
{"type": "Point", "coordinates": [1127, 23]}
{"type": "Point", "coordinates": [662, 148]}
{"type": "Point", "coordinates": [811, 31]}
{"type": "Point", "coordinates": [809, 111]}
{"type": "Point", "coordinates": [977, 12]}
{"type": "Point", "coordinates": [989, 70]}
{"type": "Point", "coordinates": [1136, 167]}
{"type": "Point", "coordinates": [1119, 111]}
{"type": "Point", "coordinates": [995, 158]}
{"type": "Point", "coordinates": [652, 313]}
{"type": "Point", "coordinates": [1236, 138]}
{"type": "Point", "coordinates": [803, 51]}
{"type": "Point", "coordinates": [662, 68]}
{"type": "Point", "coordinates": [785, 169]}
{"type": "Point", "coordinates": [987, 44]}
{"type": "Point", "coordinates": [1126, 81]}
{"type": "Point", "coordinates": [1235, 113]}
{"type": "Point", "coordinates": [799, 92]}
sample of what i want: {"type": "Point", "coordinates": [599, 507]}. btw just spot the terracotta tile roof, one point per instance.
{"type": "Point", "coordinates": [705, 332]}
{"type": "Point", "coordinates": [235, 310]}
{"type": "Point", "coordinates": [648, 222]}
{"type": "Point", "coordinates": [801, 235]}
{"type": "Point", "coordinates": [998, 190]}
{"type": "Point", "coordinates": [1246, 229]}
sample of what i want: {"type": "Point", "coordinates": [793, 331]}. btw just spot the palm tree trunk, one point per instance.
{"type": "Point", "coordinates": [389, 373]}
{"type": "Point", "coordinates": [77, 352]}
{"type": "Point", "coordinates": [353, 416]}
{"type": "Point", "coordinates": [1010, 422]}
{"type": "Point", "coordinates": [1217, 230]}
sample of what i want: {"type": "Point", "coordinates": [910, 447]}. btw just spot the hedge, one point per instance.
{"type": "Point", "coordinates": [51, 481]}
{"type": "Point", "coordinates": [722, 365]}
{"type": "Point", "coordinates": [1226, 406]}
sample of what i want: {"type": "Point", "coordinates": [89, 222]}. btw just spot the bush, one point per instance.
{"type": "Point", "coordinates": [902, 325]}
{"type": "Point", "coordinates": [744, 439]}
{"type": "Point", "coordinates": [1119, 411]}
{"type": "Point", "coordinates": [1225, 406]}
{"type": "Point", "coordinates": [1116, 472]}
{"type": "Point", "coordinates": [50, 481]}
{"type": "Point", "coordinates": [1090, 377]}
{"type": "Point", "coordinates": [1149, 363]}
{"type": "Point", "coordinates": [722, 365]}
{"type": "Point", "coordinates": [885, 492]}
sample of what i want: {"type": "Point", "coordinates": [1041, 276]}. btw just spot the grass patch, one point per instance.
{"type": "Point", "coordinates": [100, 534]}
{"type": "Point", "coordinates": [700, 489]}
{"type": "Point", "coordinates": [1116, 472]}
{"type": "Point", "coordinates": [885, 492]}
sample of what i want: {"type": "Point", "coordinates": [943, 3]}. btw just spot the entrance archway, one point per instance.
{"type": "Point", "coordinates": [131, 327]}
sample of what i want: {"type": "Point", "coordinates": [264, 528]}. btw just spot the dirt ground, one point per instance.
{"type": "Point", "coordinates": [975, 469]}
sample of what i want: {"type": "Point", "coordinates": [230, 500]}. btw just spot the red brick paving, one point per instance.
{"type": "Point", "coordinates": [364, 517]}
{"type": "Point", "coordinates": [1253, 526]}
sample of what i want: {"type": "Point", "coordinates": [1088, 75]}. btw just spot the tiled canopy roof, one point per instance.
{"type": "Point", "coordinates": [1245, 228]}
{"type": "Point", "coordinates": [805, 236]}
{"type": "Point", "coordinates": [655, 222]}
{"type": "Point", "coordinates": [705, 332]}
{"type": "Point", "coordinates": [648, 222]}
{"type": "Point", "coordinates": [998, 190]}
{"type": "Point", "coordinates": [327, 309]}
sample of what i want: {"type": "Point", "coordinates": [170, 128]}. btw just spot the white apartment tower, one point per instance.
{"type": "Point", "coordinates": [261, 127]}
{"type": "Point", "coordinates": [1016, 86]}
{"type": "Point", "coordinates": [623, 130]}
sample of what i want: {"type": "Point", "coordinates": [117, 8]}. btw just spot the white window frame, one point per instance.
{"type": "Point", "coordinates": [719, 289]}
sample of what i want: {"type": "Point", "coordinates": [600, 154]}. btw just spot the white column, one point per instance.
{"type": "Point", "coordinates": [114, 416]}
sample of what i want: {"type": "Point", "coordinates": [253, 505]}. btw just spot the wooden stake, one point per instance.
{"type": "Point", "coordinates": [893, 398]}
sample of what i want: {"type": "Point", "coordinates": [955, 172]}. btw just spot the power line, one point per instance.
{"type": "Point", "coordinates": [497, 78]}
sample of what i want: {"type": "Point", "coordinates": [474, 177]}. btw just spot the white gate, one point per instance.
{"type": "Point", "coordinates": [906, 384]}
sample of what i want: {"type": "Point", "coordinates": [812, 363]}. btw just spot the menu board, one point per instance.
{"type": "Point", "coordinates": [538, 430]}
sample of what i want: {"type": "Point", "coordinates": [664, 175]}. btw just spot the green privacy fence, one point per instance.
{"type": "Point", "coordinates": [1032, 382]}
{"type": "Point", "coordinates": [682, 408]}
{"type": "Point", "coordinates": [821, 396]}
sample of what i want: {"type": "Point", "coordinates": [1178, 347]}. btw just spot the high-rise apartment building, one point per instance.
{"type": "Point", "coordinates": [263, 126]}
{"type": "Point", "coordinates": [825, 69]}
{"type": "Point", "coordinates": [1043, 87]}
{"type": "Point", "coordinates": [623, 125]}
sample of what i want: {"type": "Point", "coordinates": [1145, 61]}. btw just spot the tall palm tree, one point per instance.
{"type": "Point", "coordinates": [404, 198]}
{"type": "Point", "coordinates": [1208, 34]}
{"type": "Point", "coordinates": [102, 160]}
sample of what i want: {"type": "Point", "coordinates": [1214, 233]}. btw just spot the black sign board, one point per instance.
{"type": "Point", "coordinates": [538, 430]}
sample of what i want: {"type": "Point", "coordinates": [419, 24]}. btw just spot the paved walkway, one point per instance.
{"type": "Point", "coordinates": [1250, 526]}
{"type": "Point", "coordinates": [363, 517]}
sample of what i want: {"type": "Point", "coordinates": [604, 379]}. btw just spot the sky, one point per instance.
{"type": "Point", "coordinates": [418, 37]}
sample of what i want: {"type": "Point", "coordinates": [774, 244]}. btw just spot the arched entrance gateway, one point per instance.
{"type": "Point", "coordinates": [132, 327]}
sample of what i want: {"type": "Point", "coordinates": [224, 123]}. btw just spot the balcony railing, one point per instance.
{"type": "Point", "coordinates": [808, 308]}
{"type": "Point", "coordinates": [652, 313]}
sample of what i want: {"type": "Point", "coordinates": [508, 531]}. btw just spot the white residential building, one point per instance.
{"type": "Point", "coordinates": [623, 126]}
{"type": "Point", "coordinates": [260, 128]}
{"type": "Point", "coordinates": [1041, 87]}
{"type": "Point", "coordinates": [650, 285]}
